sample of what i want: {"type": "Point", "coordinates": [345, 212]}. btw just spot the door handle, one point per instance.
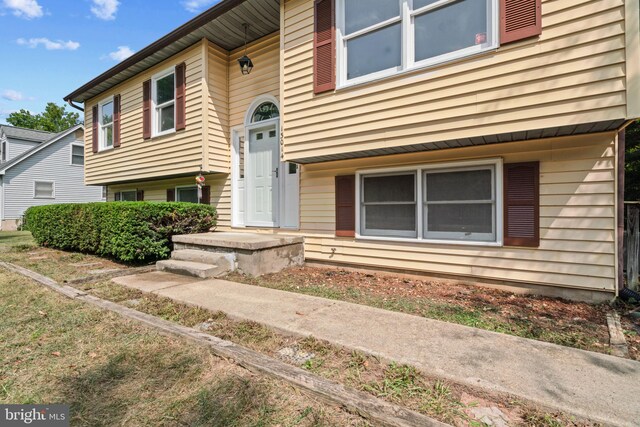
{"type": "Point", "coordinates": [276, 172]}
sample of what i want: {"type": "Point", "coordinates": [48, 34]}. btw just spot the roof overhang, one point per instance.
{"type": "Point", "coordinates": [222, 24]}
{"type": "Point", "coordinates": [552, 132]}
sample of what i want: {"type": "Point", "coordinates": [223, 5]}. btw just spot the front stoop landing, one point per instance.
{"type": "Point", "coordinates": [215, 254]}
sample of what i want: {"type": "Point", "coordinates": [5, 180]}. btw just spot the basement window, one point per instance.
{"type": "Point", "coordinates": [187, 194]}
{"type": "Point", "coordinates": [455, 202]}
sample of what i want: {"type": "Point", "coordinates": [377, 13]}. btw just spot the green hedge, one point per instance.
{"type": "Point", "coordinates": [126, 231]}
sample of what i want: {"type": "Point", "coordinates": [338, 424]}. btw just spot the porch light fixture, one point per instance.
{"type": "Point", "coordinates": [245, 62]}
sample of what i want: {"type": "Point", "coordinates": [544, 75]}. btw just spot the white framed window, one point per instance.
{"type": "Point", "coordinates": [449, 203]}
{"type": "Point", "coordinates": [187, 194]}
{"type": "Point", "coordinates": [105, 121]}
{"type": "Point", "coordinates": [388, 204]}
{"type": "Point", "coordinates": [77, 154]}
{"type": "Point", "coordinates": [380, 38]}
{"type": "Point", "coordinates": [44, 190]}
{"type": "Point", "coordinates": [163, 95]}
{"type": "Point", "coordinates": [104, 192]}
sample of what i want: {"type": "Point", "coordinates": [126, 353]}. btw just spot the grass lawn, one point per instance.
{"type": "Point", "coordinates": [19, 248]}
{"type": "Point", "coordinates": [400, 384]}
{"type": "Point", "coordinates": [115, 372]}
{"type": "Point", "coordinates": [12, 239]}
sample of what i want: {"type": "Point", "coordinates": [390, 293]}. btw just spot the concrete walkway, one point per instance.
{"type": "Point", "coordinates": [601, 387]}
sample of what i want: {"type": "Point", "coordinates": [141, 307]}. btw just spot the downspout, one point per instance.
{"type": "Point", "coordinates": [70, 102]}
{"type": "Point", "coordinates": [620, 209]}
{"type": "Point", "coordinates": [1, 201]}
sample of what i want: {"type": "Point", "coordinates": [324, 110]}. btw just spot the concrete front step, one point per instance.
{"type": "Point", "coordinates": [205, 257]}
{"type": "Point", "coordinates": [253, 254]}
{"type": "Point", "coordinates": [190, 268]}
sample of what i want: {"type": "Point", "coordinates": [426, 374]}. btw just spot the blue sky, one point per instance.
{"type": "Point", "coordinates": [51, 47]}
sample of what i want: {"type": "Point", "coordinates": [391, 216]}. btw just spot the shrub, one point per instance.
{"type": "Point", "coordinates": [126, 231]}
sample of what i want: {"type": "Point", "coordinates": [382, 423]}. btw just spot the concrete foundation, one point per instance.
{"type": "Point", "coordinates": [9, 224]}
{"type": "Point", "coordinates": [255, 254]}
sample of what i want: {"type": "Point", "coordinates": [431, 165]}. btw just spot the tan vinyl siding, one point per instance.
{"type": "Point", "coordinates": [263, 80]}
{"type": "Point", "coordinates": [242, 91]}
{"type": "Point", "coordinates": [574, 73]}
{"type": "Point", "coordinates": [577, 226]}
{"type": "Point", "coordinates": [217, 108]}
{"type": "Point", "coordinates": [167, 155]}
{"type": "Point", "coordinates": [156, 191]}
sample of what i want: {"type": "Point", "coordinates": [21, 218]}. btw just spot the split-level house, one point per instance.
{"type": "Point", "coordinates": [41, 168]}
{"type": "Point", "coordinates": [475, 139]}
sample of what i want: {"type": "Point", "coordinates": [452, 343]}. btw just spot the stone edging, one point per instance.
{"type": "Point", "coordinates": [617, 340]}
{"type": "Point", "coordinates": [328, 391]}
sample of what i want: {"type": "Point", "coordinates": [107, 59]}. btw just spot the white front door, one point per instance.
{"type": "Point", "coordinates": [261, 172]}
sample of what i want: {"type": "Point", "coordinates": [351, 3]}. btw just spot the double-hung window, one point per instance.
{"type": "Point", "coordinates": [105, 115]}
{"type": "Point", "coordinates": [453, 202]}
{"type": "Point", "coordinates": [77, 154]}
{"type": "Point", "coordinates": [164, 99]}
{"type": "Point", "coordinates": [378, 38]}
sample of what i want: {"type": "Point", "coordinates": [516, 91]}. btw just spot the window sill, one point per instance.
{"type": "Point", "coordinates": [429, 241]}
{"type": "Point", "coordinates": [44, 198]}
{"type": "Point", "coordinates": [103, 150]}
{"type": "Point", "coordinates": [165, 133]}
{"type": "Point", "coordinates": [416, 69]}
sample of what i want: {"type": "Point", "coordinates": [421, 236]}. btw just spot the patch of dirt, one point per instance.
{"type": "Point", "coordinates": [574, 324]}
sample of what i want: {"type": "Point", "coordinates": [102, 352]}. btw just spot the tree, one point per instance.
{"type": "Point", "coordinates": [54, 118]}
{"type": "Point", "coordinates": [632, 162]}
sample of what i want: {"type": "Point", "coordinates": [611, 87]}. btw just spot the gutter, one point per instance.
{"type": "Point", "coordinates": [70, 102]}
{"type": "Point", "coordinates": [200, 20]}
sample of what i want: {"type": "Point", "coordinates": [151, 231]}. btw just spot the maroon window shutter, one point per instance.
{"type": "Point", "coordinates": [206, 195]}
{"type": "Point", "coordinates": [171, 194]}
{"type": "Point", "coordinates": [146, 109]}
{"type": "Point", "coordinates": [324, 46]}
{"type": "Point", "coordinates": [522, 204]}
{"type": "Point", "coordinates": [520, 19]}
{"type": "Point", "coordinates": [117, 196]}
{"type": "Point", "coordinates": [116, 121]}
{"type": "Point", "coordinates": [181, 96]}
{"type": "Point", "coordinates": [94, 130]}
{"type": "Point", "coordinates": [139, 195]}
{"type": "Point", "coordinates": [346, 206]}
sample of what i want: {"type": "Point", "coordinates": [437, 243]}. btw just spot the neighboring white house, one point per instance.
{"type": "Point", "coordinates": [15, 141]}
{"type": "Point", "coordinates": [41, 168]}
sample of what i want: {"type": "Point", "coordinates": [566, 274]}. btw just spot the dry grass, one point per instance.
{"type": "Point", "coordinates": [399, 384]}
{"type": "Point", "coordinates": [116, 372]}
{"type": "Point", "coordinates": [59, 265]}
{"type": "Point", "coordinates": [562, 322]}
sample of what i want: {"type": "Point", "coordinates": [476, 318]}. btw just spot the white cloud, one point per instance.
{"type": "Point", "coordinates": [49, 44]}
{"type": "Point", "coordinates": [196, 6]}
{"type": "Point", "coordinates": [12, 95]}
{"type": "Point", "coordinates": [121, 54]}
{"type": "Point", "coordinates": [105, 9]}
{"type": "Point", "coordinates": [28, 9]}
